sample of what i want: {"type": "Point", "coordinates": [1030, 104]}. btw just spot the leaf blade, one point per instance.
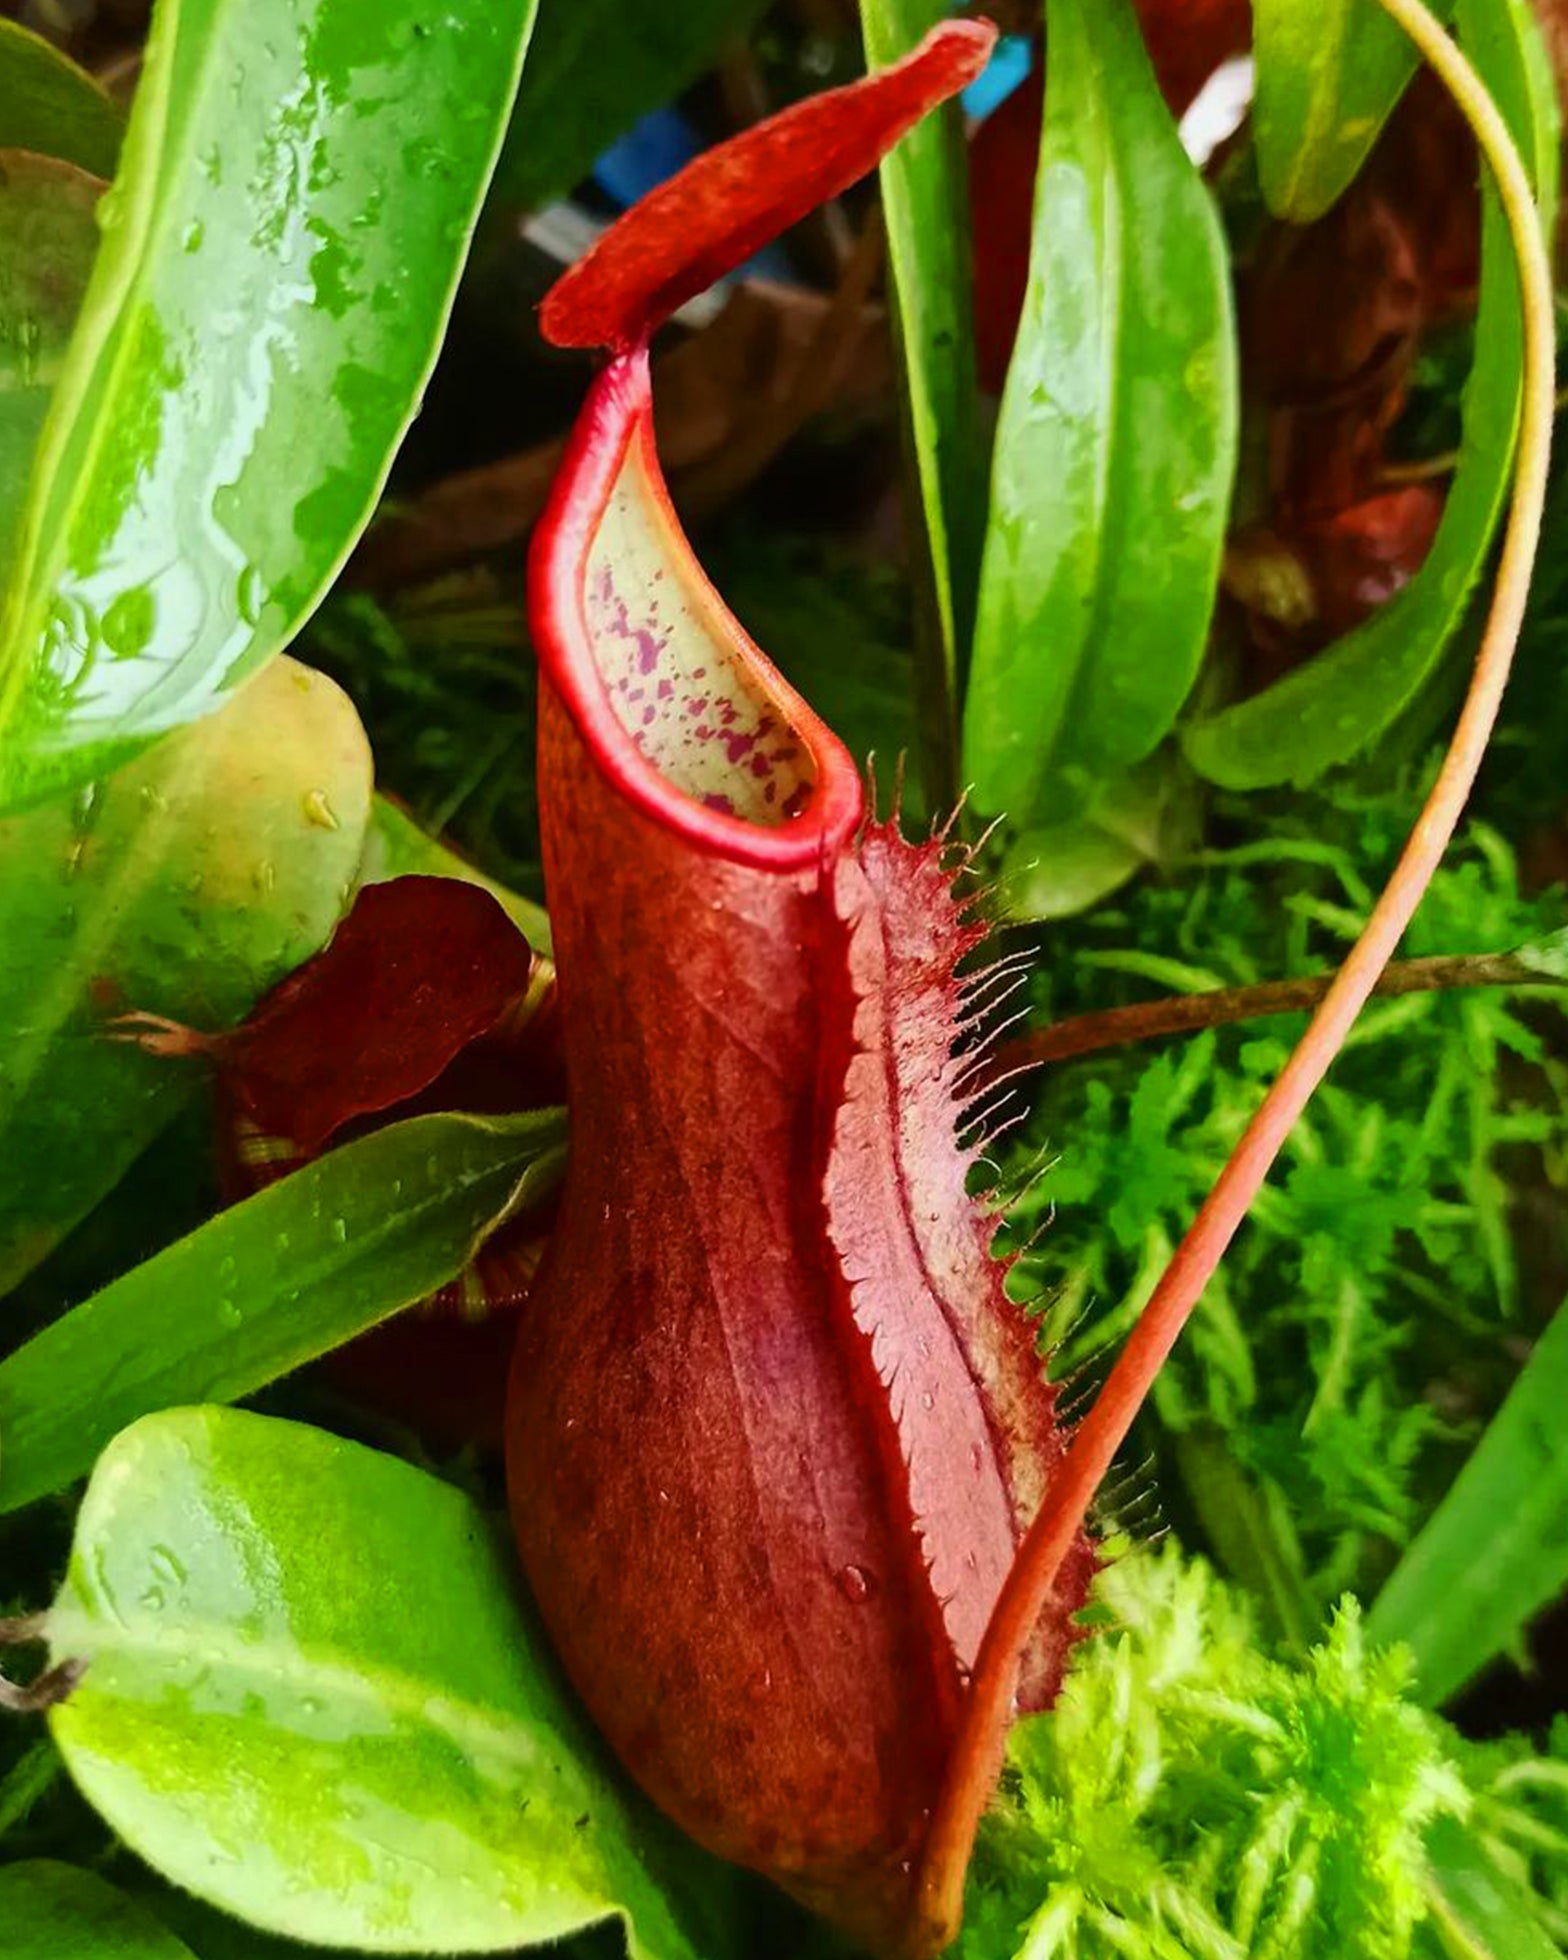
{"type": "Point", "coordinates": [409, 1775]}
{"type": "Point", "coordinates": [187, 884]}
{"type": "Point", "coordinates": [48, 241]}
{"type": "Point", "coordinates": [925, 207]}
{"type": "Point", "coordinates": [50, 106]}
{"type": "Point", "coordinates": [279, 259]}
{"type": "Point", "coordinates": [1481, 1912]}
{"type": "Point", "coordinates": [267, 1285]}
{"type": "Point", "coordinates": [1329, 74]}
{"type": "Point", "coordinates": [1108, 508]}
{"type": "Point", "coordinates": [1494, 1551]}
{"type": "Point", "coordinates": [1327, 711]}
{"type": "Point", "coordinates": [594, 68]}
{"type": "Point", "coordinates": [50, 1909]}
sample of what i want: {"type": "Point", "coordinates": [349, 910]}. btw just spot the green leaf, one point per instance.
{"type": "Point", "coordinates": [595, 67]}
{"type": "Point", "coordinates": [1548, 957]}
{"type": "Point", "coordinates": [1329, 73]}
{"type": "Point", "coordinates": [1148, 816]}
{"type": "Point", "coordinates": [58, 1912]}
{"type": "Point", "coordinates": [1479, 1914]}
{"type": "Point", "coordinates": [397, 848]}
{"type": "Point", "coordinates": [1337, 704]}
{"type": "Point", "coordinates": [1495, 1550]}
{"type": "Point", "coordinates": [271, 1283]}
{"type": "Point", "coordinates": [925, 207]}
{"type": "Point", "coordinates": [1116, 446]}
{"type": "Point", "coordinates": [313, 1699]}
{"type": "Point", "coordinates": [186, 884]}
{"type": "Point", "coordinates": [50, 105]}
{"type": "Point", "coordinates": [297, 188]}
{"type": "Point", "coordinates": [48, 240]}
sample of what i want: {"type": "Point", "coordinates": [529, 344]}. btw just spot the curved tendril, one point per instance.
{"type": "Point", "coordinates": [979, 1750]}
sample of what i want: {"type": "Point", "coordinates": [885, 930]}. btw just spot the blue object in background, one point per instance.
{"type": "Point", "coordinates": [653, 150]}
{"type": "Point", "coordinates": [1006, 69]}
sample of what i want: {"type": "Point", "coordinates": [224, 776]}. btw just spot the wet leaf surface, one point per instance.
{"type": "Point", "coordinates": [271, 1283]}
{"type": "Point", "coordinates": [314, 1700]}
{"type": "Point", "coordinates": [48, 240]}
{"type": "Point", "coordinates": [281, 245]}
{"type": "Point", "coordinates": [186, 884]}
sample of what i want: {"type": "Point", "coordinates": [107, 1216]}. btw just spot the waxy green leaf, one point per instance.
{"type": "Point", "coordinates": [1327, 711]}
{"type": "Point", "coordinates": [186, 884]}
{"type": "Point", "coordinates": [1495, 1551]}
{"type": "Point", "coordinates": [296, 192]}
{"type": "Point", "coordinates": [596, 66]}
{"type": "Point", "coordinates": [925, 207]}
{"type": "Point", "coordinates": [1116, 445]}
{"type": "Point", "coordinates": [1329, 73]}
{"type": "Point", "coordinates": [49, 105]}
{"type": "Point", "coordinates": [313, 1698]}
{"type": "Point", "coordinates": [50, 1911]}
{"type": "Point", "coordinates": [271, 1283]}
{"type": "Point", "coordinates": [48, 240]}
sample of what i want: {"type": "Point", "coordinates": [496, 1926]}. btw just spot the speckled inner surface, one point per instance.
{"type": "Point", "coordinates": [677, 689]}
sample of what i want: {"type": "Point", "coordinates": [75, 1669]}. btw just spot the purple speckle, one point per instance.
{"type": "Point", "coordinates": [715, 800]}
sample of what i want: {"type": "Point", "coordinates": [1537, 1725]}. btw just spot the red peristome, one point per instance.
{"type": "Point", "coordinates": [774, 1426]}
{"type": "Point", "coordinates": [736, 197]}
{"type": "Point", "coordinates": [614, 429]}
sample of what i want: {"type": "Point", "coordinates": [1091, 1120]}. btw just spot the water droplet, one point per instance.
{"type": "Point", "coordinates": [191, 242]}
{"type": "Point", "coordinates": [166, 1564]}
{"type": "Point", "coordinates": [250, 595]}
{"type": "Point", "coordinates": [229, 1314]}
{"type": "Point", "coordinates": [340, 1231]}
{"type": "Point", "coordinates": [29, 338]}
{"type": "Point", "coordinates": [761, 1681]}
{"type": "Point", "coordinates": [84, 807]}
{"type": "Point", "coordinates": [319, 810]}
{"type": "Point", "coordinates": [928, 1401]}
{"type": "Point", "coordinates": [856, 1584]}
{"type": "Point", "coordinates": [152, 1599]}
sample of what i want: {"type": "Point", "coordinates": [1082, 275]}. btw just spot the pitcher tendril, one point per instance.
{"type": "Point", "coordinates": [977, 1758]}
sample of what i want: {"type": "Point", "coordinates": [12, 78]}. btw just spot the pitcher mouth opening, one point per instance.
{"type": "Point", "coordinates": [674, 700]}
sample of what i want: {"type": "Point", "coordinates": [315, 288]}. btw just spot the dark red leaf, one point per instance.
{"type": "Point", "coordinates": [711, 216]}
{"type": "Point", "coordinates": [419, 969]}
{"type": "Point", "coordinates": [1189, 39]}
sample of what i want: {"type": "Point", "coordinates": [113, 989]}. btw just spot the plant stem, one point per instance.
{"type": "Point", "coordinates": [980, 1745]}
{"type": "Point", "coordinates": [1148, 1020]}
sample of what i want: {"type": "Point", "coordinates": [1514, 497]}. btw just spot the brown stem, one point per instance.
{"type": "Point", "coordinates": [979, 1748]}
{"type": "Point", "coordinates": [1117, 1027]}
{"type": "Point", "coordinates": [45, 1690]}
